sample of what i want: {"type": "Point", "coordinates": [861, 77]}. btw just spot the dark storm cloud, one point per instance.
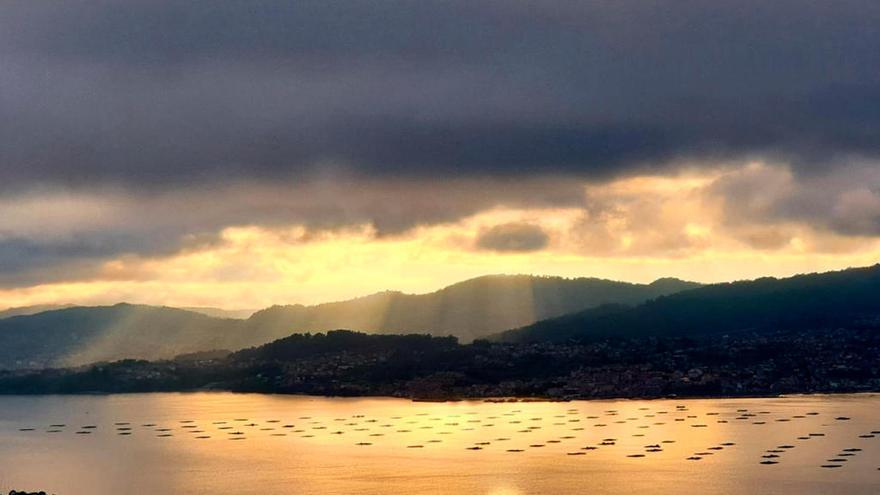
{"type": "Point", "coordinates": [171, 93]}
{"type": "Point", "coordinates": [31, 260]}
{"type": "Point", "coordinates": [513, 237]}
{"type": "Point", "coordinates": [180, 118]}
{"type": "Point", "coordinates": [846, 203]}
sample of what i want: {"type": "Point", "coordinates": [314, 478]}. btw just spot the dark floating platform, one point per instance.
{"type": "Point", "coordinates": [273, 428]}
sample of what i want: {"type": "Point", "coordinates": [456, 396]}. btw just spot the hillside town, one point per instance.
{"type": "Point", "coordinates": [346, 363]}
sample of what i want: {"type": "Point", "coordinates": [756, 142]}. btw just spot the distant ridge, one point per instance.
{"type": "Point", "coordinates": [843, 298]}
{"type": "Point", "coordinates": [468, 310]}
{"type": "Point", "coordinates": [237, 314]}
{"type": "Point", "coordinates": [240, 314]}
{"type": "Point", "coordinates": [471, 309]}
{"type": "Point", "coordinates": [80, 335]}
{"type": "Point", "coordinates": [31, 310]}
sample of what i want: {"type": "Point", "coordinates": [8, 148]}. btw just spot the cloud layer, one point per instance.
{"type": "Point", "coordinates": [172, 92]}
{"type": "Point", "coordinates": [144, 129]}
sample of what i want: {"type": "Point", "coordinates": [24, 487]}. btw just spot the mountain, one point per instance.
{"type": "Point", "coordinates": [79, 335]}
{"type": "Point", "coordinates": [31, 310]}
{"type": "Point", "coordinates": [237, 314]}
{"type": "Point", "coordinates": [844, 298]}
{"type": "Point", "coordinates": [468, 310]}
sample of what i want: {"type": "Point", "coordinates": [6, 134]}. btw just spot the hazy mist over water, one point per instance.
{"type": "Point", "coordinates": [181, 443]}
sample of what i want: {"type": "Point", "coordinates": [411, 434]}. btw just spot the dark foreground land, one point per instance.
{"type": "Point", "coordinates": [346, 363]}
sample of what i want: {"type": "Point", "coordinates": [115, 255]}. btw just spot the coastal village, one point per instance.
{"type": "Point", "coordinates": [745, 364]}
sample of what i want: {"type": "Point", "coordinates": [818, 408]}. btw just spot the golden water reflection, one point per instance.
{"type": "Point", "coordinates": [242, 443]}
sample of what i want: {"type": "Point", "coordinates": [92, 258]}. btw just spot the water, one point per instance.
{"type": "Point", "coordinates": [380, 446]}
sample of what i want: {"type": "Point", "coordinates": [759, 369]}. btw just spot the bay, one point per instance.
{"type": "Point", "coordinates": [204, 443]}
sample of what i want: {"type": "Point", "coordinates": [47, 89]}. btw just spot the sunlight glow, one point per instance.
{"type": "Point", "coordinates": [635, 229]}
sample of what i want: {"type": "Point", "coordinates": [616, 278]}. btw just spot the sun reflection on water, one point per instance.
{"type": "Point", "coordinates": [181, 443]}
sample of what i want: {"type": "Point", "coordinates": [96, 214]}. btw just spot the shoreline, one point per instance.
{"type": "Point", "coordinates": [489, 400]}
{"type": "Point", "coordinates": [348, 364]}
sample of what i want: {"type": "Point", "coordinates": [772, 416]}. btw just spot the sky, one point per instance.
{"type": "Point", "coordinates": [240, 154]}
